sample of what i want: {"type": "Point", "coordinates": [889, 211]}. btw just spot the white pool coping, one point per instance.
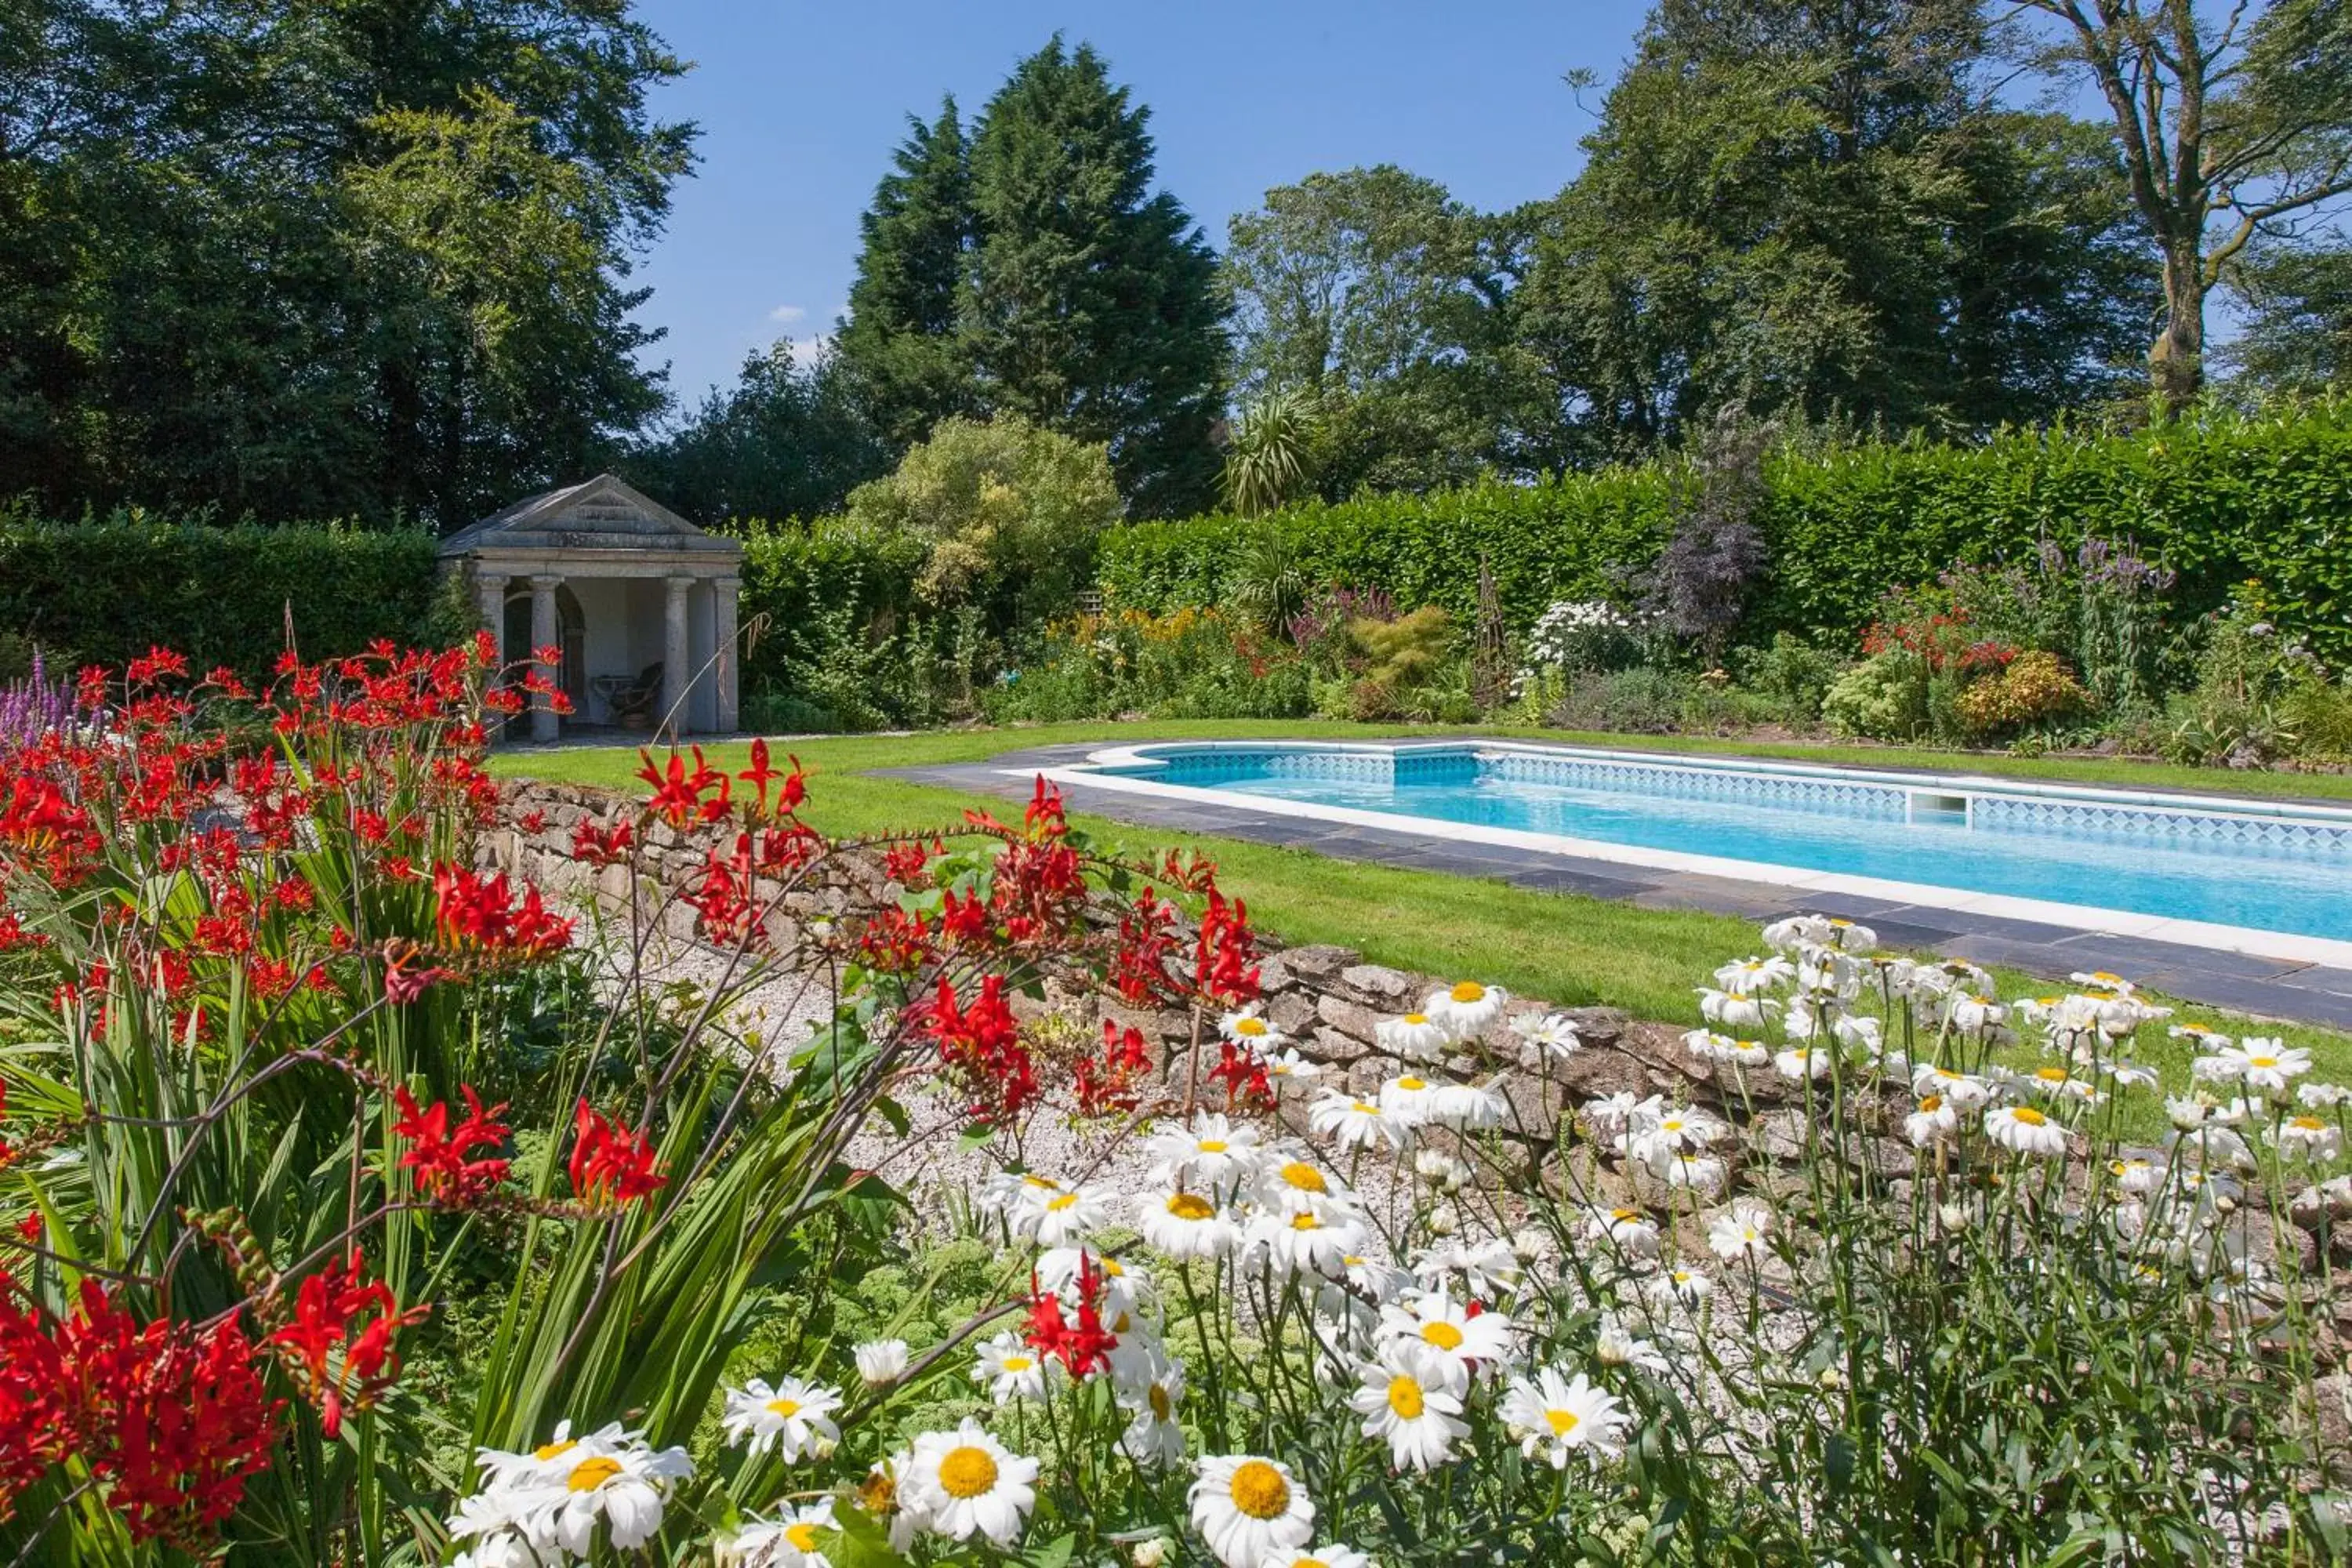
{"type": "Point", "coordinates": [2282, 946]}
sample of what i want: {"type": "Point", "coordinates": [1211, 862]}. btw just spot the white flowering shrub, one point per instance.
{"type": "Point", "coordinates": [1891, 1285]}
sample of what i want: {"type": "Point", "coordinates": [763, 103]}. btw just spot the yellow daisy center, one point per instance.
{"type": "Point", "coordinates": [1258, 1490]}
{"type": "Point", "coordinates": [1932, 1104]}
{"type": "Point", "coordinates": [1018, 1364]}
{"type": "Point", "coordinates": [1305, 1177]}
{"type": "Point", "coordinates": [546, 1451]}
{"type": "Point", "coordinates": [1562, 1422]}
{"type": "Point", "coordinates": [1046, 1183]}
{"type": "Point", "coordinates": [1442, 1334]}
{"type": "Point", "coordinates": [1404, 1397]}
{"type": "Point", "coordinates": [1249, 1025]}
{"type": "Point", "coordinates": [2262, 1061]}
{"type": "Point", "coordinates": [1161, 1407]}
{"type": "Point", "coordinates": [1305, 1222]}
{"type": "Point", "coordinates": [1212, 1146]}
{"type": "Point", "coordinates": [2307, 1123]}
{"type": "Point", "coordinates": [1416, 1019]}
{"type": "Point", "coordinates": [1410, 1085]}
{"type": "Point", "coordinates": [590, 1473]}
{"type": "Point", "coordinates": [1468, 991]}
{"type": "Point", "coordinates": [1191, 1205]}
{"type": "Point", "coordinates": [2051, 1075]}
{"type": "Point", "coordinates": [1624, 1217]}
{"type": "Point", "coordinates": [787, 1408]}
{"type": "Point", "coordinates": [801, 1536]}
{"type": "Point", "coordinates": [1063, 1200]}
{"type": "Point", "coordinates": [2030, 1116]}
{"type": "Point", "coordinates": [967, 1472]}
{"type": "Point", "coordinates": [1362, 1108]}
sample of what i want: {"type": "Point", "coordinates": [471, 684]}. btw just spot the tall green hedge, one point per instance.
{"type": "Point", "coordinates": [795, 575]}
{"type": "Point", "coordinates": [104, 591]}
{"type": "Point", "coordinates": [2219, 498]}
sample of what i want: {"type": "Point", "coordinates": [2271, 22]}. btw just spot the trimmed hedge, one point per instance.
{"type": "Point", "coordinates": [2220, 500]}
{"type": "Point", "coordinates": [795, 574]}
{"type": "Point", "coordinates": [104, 591]}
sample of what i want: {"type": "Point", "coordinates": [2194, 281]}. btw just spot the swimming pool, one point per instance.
{"type": "Point", "coordinates": [2161, 865]}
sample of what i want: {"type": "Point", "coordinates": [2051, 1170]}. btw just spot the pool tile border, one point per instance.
{"type": "Point", "coordinates": [2310, 985]}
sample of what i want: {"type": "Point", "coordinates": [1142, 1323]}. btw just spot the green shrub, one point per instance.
{"type": "Point", "coordinates": [2213, 500]}
{"type": "Point", "coordinates": [103, 591]}
{"type": "Point", "coordinates": [2032, 692]}
{"type": "Point", "coordinates": [1792, 675]}
{"type": "Point", "coordinates": [1883, 697]}
{"type": "Point", "coordinates": [1640, 701]}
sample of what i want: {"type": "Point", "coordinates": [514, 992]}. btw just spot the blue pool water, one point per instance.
{"type": "Point", "coordinates": [2283, 878]}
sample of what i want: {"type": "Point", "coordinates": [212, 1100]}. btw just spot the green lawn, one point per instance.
{"type": "Point", "coordinates": [1566, 948]}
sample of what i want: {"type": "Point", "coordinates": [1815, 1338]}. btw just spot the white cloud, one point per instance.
{"type": "Point", "coordinates": [808, 351]}
{"type": "Point", "coordinates": [788, 314]}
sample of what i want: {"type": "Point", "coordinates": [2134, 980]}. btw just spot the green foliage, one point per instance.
{"type": "Point", "coordinates": [899, 343]}
{"type": "Point", "coordinates": [1191, 665]}
{"type": "Point", "coordinates": [2035, 691]}
{"type": "Point", "coordinates": [1032, 271]}
{"type": "Point", "coordinates": [1270, 458]}
{"type": "Point", "coordinates": [787, 441]}
{"type": "Point", "coordinates": [105, 590]}
{"type": "Point", "coordinates": [2297, 304]}
{"type": "Point", "coordinates": [1008, 515]}
{"type": "Point", "coordinates": [1883, 697]}
{"type": "Point", "coordinates": [311, 260]}
{"type": "Point", "coordinates": [1792, 675]}
{"type": "Point", "coordinates": [2215, 499]}
{"type": "Point", "coordinates": [1810, 207]}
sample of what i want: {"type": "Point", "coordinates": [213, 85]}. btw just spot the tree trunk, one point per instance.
{"type": "Point", "coordinates": [2176, 363]}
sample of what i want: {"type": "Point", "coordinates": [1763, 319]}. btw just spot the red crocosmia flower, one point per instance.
{"type": "Point", "coordinates": [1223, 953]}
{"type": "Point", "coordinates": [481, 912]}
{"type": "Point", "coordinates": [1105, 1086]}
{"type": "Point", "coordinates": [965, 922]}
{"type": "Point", "coordinates": [532, 822]}
{"type": "Point", "coordinates": [610, 1165]}
{"type": "Point", "coordinates": [678, 793]}
{"type": "Point", "coordinates": [1044, 819]}
{"type": "Point", "coordinates": [444, 1159]}
{"type": "Point", "coordinates": [1244, 1076]}
{"type": "Point", "coordinates": [171, 1422]}
{"type": "Point", "coordinates": [601, 846]}
{"type": "Point", "coordinates": [895, 942]}
{"type": "Point", "coordinates": [329, 1310]}
{"type": "Point", "coordinates": [1074, 1336]}
{"type": "Point", "coordinates": [908, 864]}
{"type": "Point", "coordinates": [159, 663]}
{"type": "Point", "coordinates": [980, 1046]}
{"type": "Point", "coordinates": [405, 979]}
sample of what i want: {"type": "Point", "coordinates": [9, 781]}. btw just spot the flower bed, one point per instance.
{"type": "Point", "coordinates": [370, 1201]}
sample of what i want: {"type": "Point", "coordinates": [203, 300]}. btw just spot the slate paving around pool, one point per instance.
{"type": "Point", "coordinates": [2270, 988]}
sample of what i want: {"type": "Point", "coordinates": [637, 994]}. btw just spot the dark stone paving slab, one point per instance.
{"type": "Point", "coordinates": [2270, 988]}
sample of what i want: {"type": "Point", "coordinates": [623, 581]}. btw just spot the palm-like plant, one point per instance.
{"type": "Point", "coordinates": [1270, 458]}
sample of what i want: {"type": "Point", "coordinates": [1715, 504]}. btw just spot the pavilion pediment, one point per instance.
{"type": "Point", "coordinates": [597, 516]}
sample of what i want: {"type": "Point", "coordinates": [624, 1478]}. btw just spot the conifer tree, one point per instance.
{"type": "Point", "coordinates": [1092, 308]}
{"type": "Point", "coordinates": [901, 344]}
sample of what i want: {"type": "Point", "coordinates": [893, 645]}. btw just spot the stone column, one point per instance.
{"type": "Point", "coordinates": [546, 631]}
{"type": "Point", "coordinates": [490, 598]}
{"type": "Point", "coordinates": [725, 595]}
{"type": "Point", "coordinates": [677, 653]}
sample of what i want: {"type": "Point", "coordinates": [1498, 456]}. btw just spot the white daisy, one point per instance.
{"type": "Point", "coordinates": [1435, 1318]}
{"type": "Point", "coordinates": [1701, 1173]}
{"type": "Point", "coordinates": [1412, 1397]}
{"type": "Point", "coordinates": [1292, 1185]}
{"type": "Point", "coordinates": [1154, 1439]}
{"type": "Point", "coordinates": [1325, 1556]}
{"type": "Point", "coordinates": [1958, 1091]}
{"type": "Point", "coordinates": [1557, 1418]}
{"type": "Point", "coordinates": [2025, 1130]}
{"type": "Point", "coordinates": [1466, 1009]}
{"type": "Point", "coordinates": [1213, 1153]}
{"type": "Point", "coordinates": [1467, 1107]}
{"type": "Point", "coordinates": [1616, 1344]}
{"type": "Point", "coordinates": [625, 1486]}
{"type": "Point", "coordinates": [1305, 1242]}
{"type": "Point", "coordinates": [1735, 1012]}
{"type": "Point", "coordinates": [1742, 1232]}
{"type": "Point", "coordinates": [1247, 1028]}
{"type": "Point", "coordinates": [2316, 1095]}
{"type": "Point", "coordinates": [1628, 1229]}
{"type": "Point", "coordinates": [1754, 976]}
{"type": "Point", "coordinates": [1682, 1286]}
{"type": "Point", "coordinates": [1409, 1100]}
{"type": "Point", "coordinates": [1250, 1508]}
{"type": "Point", "coordinates": [1969, 1012]}
{"type": "Point", "coordinates": [965, 1482]}
{"type": "Point", "coordinates": [791, 1417]}
{"type": "Point", "coordinates": [1934, 1121]}
{"type": "Point", "coordinates": [1708, 1046]}
{"type": "Point", "coordinates": [1416, 1036]}
{"type": "Point", "coordinates": [1802, 1064]}
{"type": "Point", "coordinates": [1355, 1123]}
{"type": "Point", "coordinates": [1555, 1034]}
{"type": "Point", "coordinates": [791, 1541]}
{"type": "Point", "coordinates": [1674, 1131]}
{"type": "Point", "coordinates": [1290, 1064]}
{"type": "Point", "coordinates": [2309, 1137]}
{"type": "Point", "coordinates": [2267, 1066]}
{"type": "Point", "coordinates": [1184, 1225]}
{"type": "Point", "coordinates": [1010, 1369]}
{"type": "Point", "coordinates": [881, 1361]}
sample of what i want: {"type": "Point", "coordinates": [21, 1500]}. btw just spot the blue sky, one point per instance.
{"type": "Point", "coordinates": [801, 104]}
